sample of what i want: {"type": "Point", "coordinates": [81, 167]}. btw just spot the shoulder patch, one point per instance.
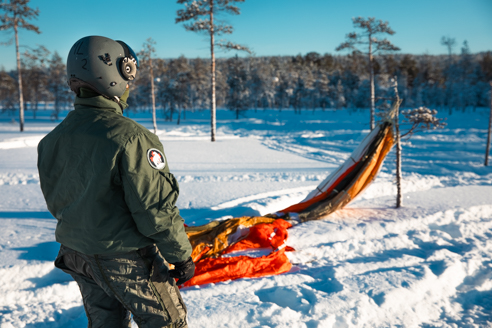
{"type": "Point", "coordinates": [156, 159]}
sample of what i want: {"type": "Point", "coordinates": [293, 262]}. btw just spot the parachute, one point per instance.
{"type": "Point", "coordinates": [349, 180]}
{"type": "Point", "coordinates": [216, 243]}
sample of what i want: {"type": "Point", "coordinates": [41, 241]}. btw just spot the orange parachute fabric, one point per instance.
{"type": "Point", "coordinates": [211, 239]}
{"type": "Point", "coordinates": [297, 208]}
{"type": "Point", "coordinates": [349, 180]}
{"type": "Point", "coordinates": [211, 270]}
{"type": "Point", "coordinates": [214, 243]}
{"type": "Point", "coordinates": [263, 235]}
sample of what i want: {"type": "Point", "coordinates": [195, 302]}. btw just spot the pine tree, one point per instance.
{"type": "Point", "coordinates": [7, 92]}
{"type": "Point", "coordinates": [371, 28]}
{"type": "Point", "coordinates": [178, 88]}
{"type": "Point", "coordinates": [486, 66]}
{"type": "Point", "coordinates": [282, 93]}
{"type": "Point", "coordinates": [340, 98]}
{"type": "Point", "coordinates": [146, 59]}
{"type": "Point", "coordinates": [322, 90]}
{"type": "Point", "coordinates": [408, 68]}
{"type": "Point", "coordinates": [57, 83]}
{"type": "Point", "coordinates": [202, 12]}
{"type": "Point", "coordinates": [16, 14]}
{"type": "Point", "coordinates": [199, 85]}
{"type": "Point", "coordinates": [420, 119]}
{"type": "Point", "coordinates": [259, 84]}
{"type": "Point", "coordinates": [449, 43]}
{"type": "Point", "coordinates": [298, 95]}
{"type": "Point", "coordinates": [36, 77]}
{"type": "Point", "coordinates": [238, 93]}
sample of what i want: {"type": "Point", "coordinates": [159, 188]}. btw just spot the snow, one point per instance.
{"type": "Point", "coordinates": [428, 264]}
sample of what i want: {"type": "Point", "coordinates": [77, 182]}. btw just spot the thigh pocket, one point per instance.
{"type": "Point", "coordinates": [168, 294]}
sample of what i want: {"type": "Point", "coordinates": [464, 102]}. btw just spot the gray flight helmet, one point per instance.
{"type": "Point", "coordinates": [102, 65]}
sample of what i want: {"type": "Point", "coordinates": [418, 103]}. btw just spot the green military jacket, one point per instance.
{"type": "Point", "coordinates": [106, 180]}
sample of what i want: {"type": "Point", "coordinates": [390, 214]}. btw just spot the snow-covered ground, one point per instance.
{"type": "Point", "coordinates": [428, 264]}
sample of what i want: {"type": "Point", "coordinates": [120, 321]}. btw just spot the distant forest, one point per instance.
{"type": "Point", "coordinates": [310, 82]}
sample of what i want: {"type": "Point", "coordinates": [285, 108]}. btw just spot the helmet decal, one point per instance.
{"type": "Point", "coordinates": [77, 46]}
{"type": "Point", "coordinates": [156, 159]}
{"type": "Point", "coordinates": [106, 59]}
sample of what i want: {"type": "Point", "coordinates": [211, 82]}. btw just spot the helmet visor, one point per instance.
{"type": "Point", "coordinates": [129, 52]}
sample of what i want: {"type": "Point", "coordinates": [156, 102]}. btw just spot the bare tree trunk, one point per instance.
{"type": "Point", "coordinates": [57, 110]}
{"type": "Point", "coordinates": [21, 97]}
{"type": "Point", "coordinates": [398, 162]}
{"type": "Point", "coordinates": [35, 109]}
{"type": "Point", "coordinates": [154, 119]}
{"type": "Point", "coordinates": [57, 102]}
{"type": "Point", "coordinates": [398, 148]}
{"type": "Point", "coordinates": [212, 53]}
{"type": "Point", "coordinates": [487, 148]}
{"type": "Point", "coordinates": [371, 69]}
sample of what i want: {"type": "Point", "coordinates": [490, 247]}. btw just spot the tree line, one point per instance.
{"type": "Point", "coordinates": [315, 81]}
{"type": "Point", "coordinates": [309, 82]}
{"type": "Point", "coordinates": [43, 78]}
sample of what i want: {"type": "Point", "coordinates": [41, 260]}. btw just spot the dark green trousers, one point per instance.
{"type": "Point", "coordinates": [114, 287]}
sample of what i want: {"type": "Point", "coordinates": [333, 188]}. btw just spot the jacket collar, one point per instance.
{"type": "Point", "coordinates": [100, 102]}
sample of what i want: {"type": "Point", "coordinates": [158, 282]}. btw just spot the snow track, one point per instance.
{"type": "Point", "coordinates": [24, 142]}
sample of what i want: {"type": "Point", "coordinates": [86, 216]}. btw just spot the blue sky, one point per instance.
{"type": "Point", "coordinates": [268, 27]}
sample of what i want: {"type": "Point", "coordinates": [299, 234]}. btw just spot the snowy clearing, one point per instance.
{"type": "Point", "coordinates": [428, 264]}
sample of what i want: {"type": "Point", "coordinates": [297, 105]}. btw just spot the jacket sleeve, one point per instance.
{"type": "Point", "coordinates": [151, 193]}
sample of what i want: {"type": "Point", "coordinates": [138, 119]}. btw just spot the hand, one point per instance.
{"type": "Point", "coordinates": [183, 271]}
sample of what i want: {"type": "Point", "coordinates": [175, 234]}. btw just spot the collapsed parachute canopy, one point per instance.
{"type": "Point", "coordinates": [213, 243]}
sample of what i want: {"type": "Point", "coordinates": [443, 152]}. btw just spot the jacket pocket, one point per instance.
{"type": "Point", "coordinates": [70, 262]}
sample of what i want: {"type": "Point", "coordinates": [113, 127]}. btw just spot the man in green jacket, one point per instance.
{"type": "Point", "coordinates": [106, 180]}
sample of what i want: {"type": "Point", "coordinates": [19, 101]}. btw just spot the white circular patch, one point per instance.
{"type": "Point", "coordinates": [156, 158]}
